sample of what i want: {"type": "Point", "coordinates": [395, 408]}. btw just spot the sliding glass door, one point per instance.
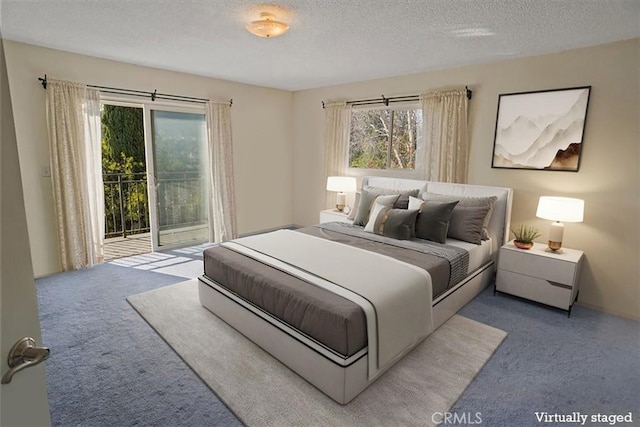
{"type": "Point", "coordinates": [178, 147]}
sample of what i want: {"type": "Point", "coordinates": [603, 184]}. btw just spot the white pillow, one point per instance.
{"type": "Point", "coordinates": [415, 203]}
{"type": "Point", "coordinates": [373, 216]}
{"type": "Point", "coordinates": [383, 201]}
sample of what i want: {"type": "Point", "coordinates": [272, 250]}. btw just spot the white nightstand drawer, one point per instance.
{"type": "Point", "coordinates": [543, 267]}
{"type": "Point", "coordinates": [534, 289]}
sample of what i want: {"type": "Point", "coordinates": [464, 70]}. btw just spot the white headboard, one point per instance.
{"type": "Point", "coordinates": [500, 219]}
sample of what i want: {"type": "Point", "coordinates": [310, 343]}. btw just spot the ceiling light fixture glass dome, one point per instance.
{"type": "Point", "coordinates": [267, 26]}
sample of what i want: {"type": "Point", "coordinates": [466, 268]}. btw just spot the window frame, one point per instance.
{"type": "Point", "coordinates": [416, 173]}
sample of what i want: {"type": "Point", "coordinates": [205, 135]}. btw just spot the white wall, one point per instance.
{"type": "Point", "coordinates": [608, 179]}
{"type": "Point", "coordinates": [262, 135]}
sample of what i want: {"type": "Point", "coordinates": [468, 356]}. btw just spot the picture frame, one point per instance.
{"type": "Point", "coordinates": [541, 130]}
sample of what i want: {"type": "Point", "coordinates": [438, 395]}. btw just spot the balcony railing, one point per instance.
{"type": "Point", "coordinates": [181, 200]}
{"type": "Point", "coordinates": [180, 197]}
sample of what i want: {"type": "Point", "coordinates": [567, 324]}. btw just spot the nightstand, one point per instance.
{"type": "Point", "coordinates": [332, 215]}
{"type": "Point", "coordinates": [535, 274]}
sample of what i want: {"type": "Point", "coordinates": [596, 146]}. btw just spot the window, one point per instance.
{"type": "Point", "coordinates": [384, 138]}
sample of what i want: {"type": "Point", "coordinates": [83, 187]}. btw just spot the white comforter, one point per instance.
{"type": "Point", "coordinates": [395, 296]}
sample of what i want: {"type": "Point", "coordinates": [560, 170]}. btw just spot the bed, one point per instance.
{"type": "Point", "coordinates": [340, 304]}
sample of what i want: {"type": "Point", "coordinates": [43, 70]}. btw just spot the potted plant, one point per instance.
{"type": "Point", "coordinates": [524, 235]}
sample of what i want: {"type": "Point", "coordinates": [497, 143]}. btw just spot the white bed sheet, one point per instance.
{"type": "Point", "coordinates": [478, 254]}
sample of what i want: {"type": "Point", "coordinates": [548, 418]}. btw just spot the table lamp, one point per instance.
{"type": "Point", "coordinates": [341, 184]}
{"type": "Point", "coordinates": [559, 209]}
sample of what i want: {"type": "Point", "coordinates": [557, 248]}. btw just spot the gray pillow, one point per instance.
{"type": "Point", "coordinates": [466, 223]}
{"type": "Point", "coordinates": [466, 202]}
{"type": "Point", "coordinates": [433, 220]}
{"type": "Point", "coordinates": [403, 200]}
{"type": "Point", "coordinates": [367, 200]}
{"type": "Point", "coordinates": [389, 222]}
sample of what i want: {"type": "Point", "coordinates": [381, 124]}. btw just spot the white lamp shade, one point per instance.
{"type": "Point", "coordinates": [563, 209]}
{"type": "Point", "coordinates": [342, 184]}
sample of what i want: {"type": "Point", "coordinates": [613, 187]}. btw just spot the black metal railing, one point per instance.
{"type": "Point", "coordinates": [126, 204]}
{"type": "Point", "coordinates": [180, 198]}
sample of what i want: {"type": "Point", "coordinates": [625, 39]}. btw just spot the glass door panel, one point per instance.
{"type": "Point", "coordinates": [179, 156]}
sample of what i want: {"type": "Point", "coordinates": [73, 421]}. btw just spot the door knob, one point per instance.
{"type": "Point", "coordinates": [24, 354]}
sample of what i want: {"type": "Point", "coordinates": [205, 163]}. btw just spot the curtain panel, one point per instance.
{"type": "Point", "coordinates": [74, 127]}
{"type": "Point", "coordinates": [222, 202]}
{"type": "Point", "coordinates": [445, 131]}
{"type": "Point", "coordinates": [337, 116]}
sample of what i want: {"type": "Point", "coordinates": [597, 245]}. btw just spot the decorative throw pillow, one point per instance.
{"type": "Point", "coordinates": [352, 214]}
{"type": "Point", "coordinates": [403, 200]}
{"type": "Point", "coordinates": [432, 222]}
{"type": "Point", "coordinates": [468, 202]}
{"type": "Point", "coordinates": [389, 222]}
{"type": "Point", "coordinates": [367, 200]}
{"type": "Point", "coordinates": [466, 223]}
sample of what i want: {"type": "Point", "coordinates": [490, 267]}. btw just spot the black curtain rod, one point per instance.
{"type": "Point", "coordinates": [153, 95]}
{"type": "Point", "coordinates": [386, 101]}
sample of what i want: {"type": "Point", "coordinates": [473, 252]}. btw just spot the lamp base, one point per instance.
{"type": "Point", "coordinates": [554, 247]}
{"type": "Point", "coordinates": [341, 201]}
{"type": "Point", "coordinates": [555, 236]}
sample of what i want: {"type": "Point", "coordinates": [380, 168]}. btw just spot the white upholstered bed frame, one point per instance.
{"type": "Point", "coordinates": [343, 383]}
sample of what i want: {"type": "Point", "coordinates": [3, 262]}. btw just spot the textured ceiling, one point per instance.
{"type": "Point", "coordinates": [330, 41]}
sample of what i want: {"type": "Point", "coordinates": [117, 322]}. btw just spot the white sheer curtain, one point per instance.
{"type": "Point", "coordinates": [337, 116]}
{"type": "Point", "coordinates": [222, 201]}
{"type": "Point", "coordinates": [445, 135]}
{"type": "Point", "coordinates": [73, 119]}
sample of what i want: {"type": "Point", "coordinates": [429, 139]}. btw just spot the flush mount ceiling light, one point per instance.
{"type": "Point", "coordinates": [267, 26]}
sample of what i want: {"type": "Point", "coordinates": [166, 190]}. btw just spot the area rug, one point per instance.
{"type": "Point", "coordinates": [263, 392]}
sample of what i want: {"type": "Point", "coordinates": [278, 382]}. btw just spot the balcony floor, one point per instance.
{"type": "Point", "coordinates": [120, 247]}
{"type": "Point", "coordinates": [136, 244]}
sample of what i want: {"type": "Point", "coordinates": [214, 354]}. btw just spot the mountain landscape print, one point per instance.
{"type": "Point", "coordinates": [541, 130]}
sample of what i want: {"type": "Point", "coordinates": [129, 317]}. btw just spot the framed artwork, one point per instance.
{"type": "Point", "coordinates": [541, 130]}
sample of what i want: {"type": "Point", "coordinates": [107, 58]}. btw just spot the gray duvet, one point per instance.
{"type": "Point", "coordinates": [322, 315]}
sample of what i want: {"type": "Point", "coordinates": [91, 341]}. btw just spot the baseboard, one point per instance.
{"type": "Point", "coordinates": [608, 311]}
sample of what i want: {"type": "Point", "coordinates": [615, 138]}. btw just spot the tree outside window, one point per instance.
{"type": "Point", "coordinates": [384, 138]}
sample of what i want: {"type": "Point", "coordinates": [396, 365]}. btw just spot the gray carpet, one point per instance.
{"type": "Point", "coordinates": [263, 392]}
{"type": "Point", "coordinates": [108, 367]}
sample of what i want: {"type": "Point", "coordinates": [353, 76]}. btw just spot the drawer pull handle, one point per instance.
{"type": "Point", "coordinates": [560, 285]}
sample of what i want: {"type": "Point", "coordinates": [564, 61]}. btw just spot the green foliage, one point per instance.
{"type": "Point", "coordinates": [122, 139]}
{"type": "Point", "coordinates": [124, 168]}
{"type": "Point", "coordinates": [525, 233]}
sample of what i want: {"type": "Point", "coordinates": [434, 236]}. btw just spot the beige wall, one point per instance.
{"type": "Point", "coordinates": [608, 179]}
{"type": "Point", "coordinates": [279, 148]}
{"type": "Point", "coordinates": [262, 134]}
